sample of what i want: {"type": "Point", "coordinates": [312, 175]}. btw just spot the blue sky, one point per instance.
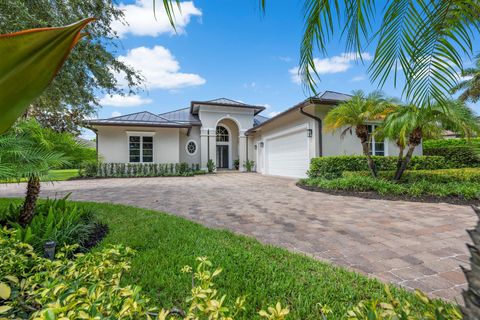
{"type": "Point", "coordinates": [226, 49]}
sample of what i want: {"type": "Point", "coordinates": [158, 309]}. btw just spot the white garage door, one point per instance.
{"type": "Point", "coordinates": [287, 155]}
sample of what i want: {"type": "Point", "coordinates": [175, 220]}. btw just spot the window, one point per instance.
{"type": "Point", "coordinates": [222, 134]}
{"type": "Point", "coordinates": [191, 147]}
{"type": "Point", "coordinates": [140, 149]}
{"type": "Point", "coordinates": [376, 146]}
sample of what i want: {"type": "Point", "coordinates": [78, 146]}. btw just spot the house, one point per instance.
{"type": "Point", "coordinates": [225, 130]}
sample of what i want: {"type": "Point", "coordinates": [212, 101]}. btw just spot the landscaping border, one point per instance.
{"type": "Point", "coordinates": [376, 196]}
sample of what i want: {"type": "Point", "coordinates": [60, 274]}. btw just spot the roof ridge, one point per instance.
{"type": "Point", "coordinates": [173, 111]}
{"type": "Point", "coordinates": [123, 115]}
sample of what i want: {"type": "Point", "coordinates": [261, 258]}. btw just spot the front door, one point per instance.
{"type": "Point", "coordinates": [222, 156]}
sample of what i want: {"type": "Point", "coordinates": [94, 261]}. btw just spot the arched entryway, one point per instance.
{"type": "Point", "coordinates": [227, 143]}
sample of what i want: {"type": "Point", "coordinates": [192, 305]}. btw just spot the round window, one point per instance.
{"type": "Point", "coordinates": [191, 147]}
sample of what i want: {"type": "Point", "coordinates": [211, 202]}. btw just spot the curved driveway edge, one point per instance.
{"type": "Point", "coordinates": [416, 245]}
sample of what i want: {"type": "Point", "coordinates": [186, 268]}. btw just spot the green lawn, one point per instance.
{"type": "Point", "coordinates": [56, 175]}
{"type": "Point", "coordinates": [265, 273]}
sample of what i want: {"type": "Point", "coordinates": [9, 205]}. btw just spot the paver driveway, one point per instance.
{"type": "Point", "coordinates": [417, 245]}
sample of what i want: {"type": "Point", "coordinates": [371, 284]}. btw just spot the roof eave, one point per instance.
{"type": "Point", "coordinates": [257, 109]}
{"type": "Point", "coordinates": [150, 125]}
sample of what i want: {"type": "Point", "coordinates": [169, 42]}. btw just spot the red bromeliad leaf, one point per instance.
{"type": "Point", "coordinates": [29, 60]}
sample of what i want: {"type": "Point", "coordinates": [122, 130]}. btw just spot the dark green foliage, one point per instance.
{"type": "Point", "coordinates": [55, 220]}
{"type": "Point", "coordinates": [333, 167]}
{"type": "Point", "coordinates": [248, 165]}
{"type": "Point", "coordinates": [122, 170]}
{"type": "Point", "coordinates": [461, 156]}
{"type": "Point", "coordinates": [362, 182]}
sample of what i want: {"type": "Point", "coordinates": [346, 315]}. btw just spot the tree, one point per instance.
{"type": "Point", "coordinates": [471, 85]}
{"type": "Point", "coordinates": [357, 113]}
{"type": "Point", "coordinates": [26, 154]}
{"type": "Point", "coordinates": [409, 124]}
{"type": "Point", "coordinates": [91, 68]}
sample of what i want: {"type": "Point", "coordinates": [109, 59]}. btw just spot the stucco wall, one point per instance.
{"type": "Point", "coordinates": [333, 144]}
{"type": "Point", "coordinates": [184, 139]}
{"type": "Point", "coordinates": [113, 143]}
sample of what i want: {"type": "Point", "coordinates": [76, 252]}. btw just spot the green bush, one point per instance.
{"type": "Point", "coordinates": [434, 176]}
{"type": "Point", "coordinates": [461, 156]}
{"type": "Point", "coordinates": [248, 165]}
{"type": "Point", "coordinates": [88, 286]}
{"type": "Point", "coordinates": [210, 166]}
{"type": "Point", "coordinates": [127, 170]}
{"type": "Point", "coordinates": [360, 182]}
{"type": "Point", "coordinates": [446, 143]}
{"type": "Point", "coordinates": [55, 220]}
{"type": "Point", "coordinates": [333, 167]}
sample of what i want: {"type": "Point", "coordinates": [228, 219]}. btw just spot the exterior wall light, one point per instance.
{"type": "Point", "coordinates": [255, 146]}
{"type": "Point", "coordinates": [261, 144]}
{"type": "Point", "coordinates": [49, 248]}
{"type": "Point", "coordinates": [309, 133]}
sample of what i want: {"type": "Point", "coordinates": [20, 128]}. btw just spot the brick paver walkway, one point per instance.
{"type": "Point", "coordinates": [416, 245]}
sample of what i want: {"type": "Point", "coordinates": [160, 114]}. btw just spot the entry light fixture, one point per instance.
{"type": "Point", "coordinates": [309, 133]}
{"type": "Point", "coordinates": [261, 144]}
{"type": "Point", "coordinates": [255, 146]}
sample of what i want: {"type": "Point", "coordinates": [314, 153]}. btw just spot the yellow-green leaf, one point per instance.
{"type": "Point", "coordinates": [4, 309]}
{"type": "Point", "coordinates": [30, 59]}
{"type": "Point", "coordinates": [4, 291]}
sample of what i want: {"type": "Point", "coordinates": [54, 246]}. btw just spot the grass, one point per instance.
{"type": "Point", "coordinates": [264, 273]}
{"type": "Point", "coordinates": [461, 183]}
{"type": "Point", "coordinates": [54, 175]}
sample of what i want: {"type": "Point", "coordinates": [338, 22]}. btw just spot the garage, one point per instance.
{"type": "Point", "coordinates": [287, 155]}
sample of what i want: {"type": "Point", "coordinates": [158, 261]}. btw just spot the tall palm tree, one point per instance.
{"type": "Point", "coordinates": [25, 154]}
{"type": "Point", "coordinates": [409, 124]}
{"type": "Point", "coordinates": [356, 113]}
{"type": "Point", "coordinates": [471, 85]}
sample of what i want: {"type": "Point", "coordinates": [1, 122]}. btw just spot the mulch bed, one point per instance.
{"type": "Point", "coordinates": [377, 196]}
{"type": "Point", "coordinates": [97, 235]}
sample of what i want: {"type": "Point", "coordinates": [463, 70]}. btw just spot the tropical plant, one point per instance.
{"type": "Point", "coordinates": [356, 113]}
{"type": "Point", "coordinates": [25, 153]}
{"type": "Point", "coordinates": [210, 166]}
{"type": "Point", "coordinates": [90, 69]}
{"type": "Point", "coordinates": [248, 165]}
{"type": "Point", "coordinates": [26, 67]}
{"type": "Point", "coordinates": [409, 124]}
{"type": "Point", "coordinates": [470, 83]}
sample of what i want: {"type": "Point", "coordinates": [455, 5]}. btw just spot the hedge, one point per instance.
{"type": "Point", "coordinates": [126, 170]}
{"type": "Point", "coordinates": [333, 167]}
{"type": "Point", "coordinates": [460, 156]}
{"type": "Point", "coordinates": [445, 143]}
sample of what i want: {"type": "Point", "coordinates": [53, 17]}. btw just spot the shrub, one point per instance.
{"type": "Point", "coordinates": [362, 182]}
{"type": "Point", "coordinates": [461, 156]}
{"type": "Point", "coordinates": [55, 220]}
{"type": "Point", "coordinates": [433, 176]}
{"type": "Point", "coordinates": [333, 167]}
{"type": "Point", "coordinates": [248, 165]}
{"type": "Point", "coordinates": [446, 143]}
{"type": "Point", "coordinates": [210, 166]}
{"type": "Point", "coordinates": [117, 170]}
{"type": "Point", "coordinates": [88, 287]}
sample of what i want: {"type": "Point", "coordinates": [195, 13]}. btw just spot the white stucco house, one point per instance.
{"type": "Point", "coordinates": [225, 130]}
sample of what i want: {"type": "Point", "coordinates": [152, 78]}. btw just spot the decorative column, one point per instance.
{"type": "Point", "coordinates": [204, 147]}
{"type": "Point", "coordinates": [242, 147]}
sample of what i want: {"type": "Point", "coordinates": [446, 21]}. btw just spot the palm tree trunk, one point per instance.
{"type": "Point", "coordinates": [28, 209]}
{"type": "Point", "coordinates": [362, 133]}
{"type": "Point", "coordinates": [400, 156]}
{"type": "Point", "coordinates": [404, 163]}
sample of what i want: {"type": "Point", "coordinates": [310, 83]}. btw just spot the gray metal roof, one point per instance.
{"type": "Point", "coordinates": [194, 105]}
{"type": "Point", "coordinates": [334, 96]}
{"type": "Point", "coordinates": [181, 115]}
{"type": "Point", "coordinates": [143, 118]}
{"type": "Point", "coordinates": [258, 119]}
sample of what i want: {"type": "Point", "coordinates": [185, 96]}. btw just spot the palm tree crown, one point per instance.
{"type": "Point", "coordinates": [471, 83]}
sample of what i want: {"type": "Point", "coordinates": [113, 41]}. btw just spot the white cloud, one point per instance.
{"type": "Point", "coordinates": [141, 19]}
{"type": "Point", "coordinates": [266, 105]}
{"type": "Point", "coordinates": [116, 114]}
{"type": "Point", "coordinates": [274, 113]}
{"type": "Point", "coordinates": [160, 68]}
{"type": "Point", "coordinates": [285, 58]}
{"type": "Point", "coordinates": [250, 85]}
{"type": "Point", "coordinates": [335, 64]}
{"type": "Point", "coordinates": [359, 78]}
{"type": "Point", "coordinates": [117, 100]}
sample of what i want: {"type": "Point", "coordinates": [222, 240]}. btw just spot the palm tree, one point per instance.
{"type": "Point", "coordinates": [471, 85]}
{"type": "Point", "coordinates": [356, 113]}
{"type": "Point", "coordinates": [25, 154]}
{"type": "Point", "coordinates": [409, 124]}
